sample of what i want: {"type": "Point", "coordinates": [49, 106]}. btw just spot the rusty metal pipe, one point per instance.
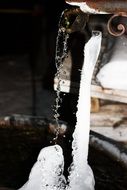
{"type": "Point", "coordinates": [107, 6]}
{"type": "Point", "coordinates": [121, 27]}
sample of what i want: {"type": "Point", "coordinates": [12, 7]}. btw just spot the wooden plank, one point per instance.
{"type": "Point", "coordinates": [111, 121]}
{"type": "Point", "coordinates": [109, 94]}
{"type": "Point", "coordinates": [118, 134]}
{"type": "Point", "coordinates": [96, 91]}
{"type": "Point", "coordinates": [95, 105]}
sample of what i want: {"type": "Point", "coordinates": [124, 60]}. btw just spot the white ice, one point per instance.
{"type": "Point", "coordinates": [81, 176]}
{"type": "Point", "coordinates": [114, 74]}
{"type": "Point", "coordinates": [47, 172]}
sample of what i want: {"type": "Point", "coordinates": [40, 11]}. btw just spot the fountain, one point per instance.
{"type": "Point", "coordinates": [116, 12]}
{"type": "Point", "coordinates": [48, 171]}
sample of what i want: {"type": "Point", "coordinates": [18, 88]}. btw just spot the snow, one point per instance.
{"type": "Point", "coordinates": [114, 74]}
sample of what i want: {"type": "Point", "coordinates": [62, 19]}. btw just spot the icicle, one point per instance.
{"type": "Point", "coordinates": [81, 175]}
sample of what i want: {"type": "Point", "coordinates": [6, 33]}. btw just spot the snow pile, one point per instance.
{"type": "Point", "coordinates": [114, 74]}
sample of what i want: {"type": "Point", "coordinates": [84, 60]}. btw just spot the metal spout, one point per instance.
{"type": "Point", "coordinates": [73, 20]}
{"type": "Point", "coordinates": [107, 6]}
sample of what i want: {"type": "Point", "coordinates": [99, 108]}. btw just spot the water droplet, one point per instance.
{"type": "Point", "coordinates": [61, 53]}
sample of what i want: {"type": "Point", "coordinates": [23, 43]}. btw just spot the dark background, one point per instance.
{"type": "Point", "coordinates": [28, 31]}
{"type": "Point", "coordinates": [23, 24]}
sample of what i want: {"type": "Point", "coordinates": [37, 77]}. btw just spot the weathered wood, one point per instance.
{"type": "Point", "coordinates": [94, 105]}
{"type": "Point", "coordinates": [111, 121]}
{"type": "Point", "coordinates": [109, 114]}
{"type": "Point", "coordinates": [69, 83]}
{"type": "Point", "coordinates": [109, 94]}
{"type": "Point", "coordinates": [96, 91]}
{"type": "Point", "coordinates": [119, 134]}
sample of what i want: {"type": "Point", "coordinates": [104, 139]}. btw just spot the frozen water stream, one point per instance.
{"type": "Point", "coordinates": [81, 176]}
{"type": "Point", "coordinates": [47, 172]}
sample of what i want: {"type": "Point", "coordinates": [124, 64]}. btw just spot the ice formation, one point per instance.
{"type": "Point", "coordinates": [47, 172]}
{"type": "Point", "coordinates": [81, 176]}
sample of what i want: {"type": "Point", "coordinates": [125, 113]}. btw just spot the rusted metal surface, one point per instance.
{"type": "Point", "coordinates": [116, 8]}
{"type": "Point", "coordinates": [121, 28]}
{"type": "Point", "coordinates": [109, 6]}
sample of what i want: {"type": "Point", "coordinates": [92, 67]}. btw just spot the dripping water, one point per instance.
{"type": "Point", "coordinates": [47, 172]}
{"type": "Point", "coordinates": [61, 54]}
